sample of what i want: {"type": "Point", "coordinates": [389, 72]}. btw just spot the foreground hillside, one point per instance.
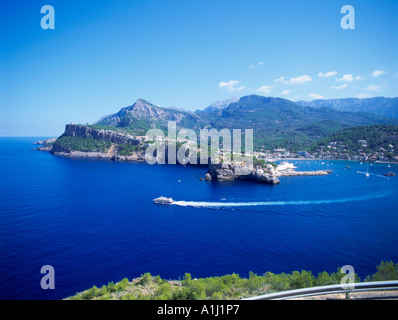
{"type": "Point", "coordinates": [231, 286]}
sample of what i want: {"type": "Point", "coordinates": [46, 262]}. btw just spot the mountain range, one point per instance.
{"type": "Point", "coordinates": [276, 122]}
{"type": "Point", "coordinates": [380, 105]}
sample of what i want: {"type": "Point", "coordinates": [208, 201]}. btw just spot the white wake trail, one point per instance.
{"type": "Point", "coordinates": [204, 204]}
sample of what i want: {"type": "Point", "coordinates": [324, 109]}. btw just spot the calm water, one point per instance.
{"type": "Point", "coordinates": [95, 222]}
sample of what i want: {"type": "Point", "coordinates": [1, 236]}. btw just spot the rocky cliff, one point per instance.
{"type": "Point", "coordinates": [74, 130]}
{"type": "Point", "coordinates": [107, 144]}
{"type": "Point", "coordinates": [230, 172]}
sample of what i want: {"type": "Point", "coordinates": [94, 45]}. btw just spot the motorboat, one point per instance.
{"type": "Point", "coordinates": [163, 200]}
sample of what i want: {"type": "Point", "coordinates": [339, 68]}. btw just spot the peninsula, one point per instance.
{"type": "Point", "coordinates": [80, 141]}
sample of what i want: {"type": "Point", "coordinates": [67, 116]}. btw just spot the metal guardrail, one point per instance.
{"type": "Point", "coordinates": [331, 289]}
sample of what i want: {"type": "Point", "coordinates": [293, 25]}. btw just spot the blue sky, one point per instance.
{"type": "Point", "coordinates": [104, 55]}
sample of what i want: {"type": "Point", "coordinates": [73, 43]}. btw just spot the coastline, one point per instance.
{"type": "Point", "coordinates": [137, 157]}
{"type": "Point", "coordinates": [99, 156]}
{"type": "Point", "coordinates": [315, 159]}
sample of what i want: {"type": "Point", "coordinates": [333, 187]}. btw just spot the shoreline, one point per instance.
{"type": "Point", "coordinates": [311, 159]}
{"type": "Point", "coordinates": [139, 159]}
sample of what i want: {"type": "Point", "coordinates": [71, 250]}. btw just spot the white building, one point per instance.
{"type": "Point", "coordinates": [285, 166]}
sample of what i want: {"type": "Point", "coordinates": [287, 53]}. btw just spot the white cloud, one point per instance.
{"type": "Point", "coordinates": [343, 86]}
{"type": "Point", "coordinates": [298, 80]}
{"type": "Point", "coordinates": [363, 96]}
{"type": "Point", "coordinates": [286, 92]}
{"type": "Point", "coordinates": [327, 74]}
{"type": "Point", "coordinates": [346, 78]}
{"type": "Point", "coordinates": [265, 89]}
{"type": "Point", "coordinates": [256, 65]}
{"type": "Point", "coordinates": [373, 87]}
{"type": "Point", "coordinates": [315, 96]}
{"type": "Point", "coordinates": [378, 73]}
{"type": "Point", "coordinates": [231, 85]}
{"type": "Point", "coordinates": [360, 78]}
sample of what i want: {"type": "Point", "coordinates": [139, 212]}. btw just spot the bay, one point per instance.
{"type": "Point", "coordinates": [95, 221]}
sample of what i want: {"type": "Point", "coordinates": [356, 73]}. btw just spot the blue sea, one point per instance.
{"type": "Point", "coordinates": [95, 222]}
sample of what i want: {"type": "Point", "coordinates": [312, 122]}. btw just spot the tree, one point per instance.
{"type": "Point", "coordinates": [146, 279]}
{"type": "Point", "coordinates": [91, 293]}
{"type": "Point", "coordinates": [385, 271]}
{"type": "Point", "coordinates": [187, 280]}
{"type": "Point", "coordinates": [299, 280]}
{"type": "Point", "coordinates": [164, 292]}
{"type": "Point", "coordinates": [122, 284]}
{"type": "Point", "coordinates": [323, 279]}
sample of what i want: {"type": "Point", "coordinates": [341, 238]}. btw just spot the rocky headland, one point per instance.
{"type": "Point", "coordinates": [230, 172]}
{"type": "Point", "coordinates": [45, 141]}
{"type": "Point", "coordinates": [114, 141]}
{"type": "Point", "coordinates": [45, 145]}
{"type": "Point", "coordinates": [268, 175]}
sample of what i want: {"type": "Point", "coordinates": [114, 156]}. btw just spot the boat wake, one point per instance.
{"type": "Point", "coordinates": [204, 204]}
{"type": "Point", "coordinates": [374, 174]}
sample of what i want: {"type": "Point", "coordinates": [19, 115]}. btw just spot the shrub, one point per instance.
{"type": "Point", "coordinates": [299, 280]}
{"type": "Point", "coordinates": [146, 279]}
{"type": "Point", "coordinates": [122, 284]}
{"type": "Point", "coordinates": [91, 293]}
{"type": "Point", "coordinates": [217, 296]}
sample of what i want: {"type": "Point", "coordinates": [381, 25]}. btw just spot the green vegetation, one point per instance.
{"type": "Point", "coordinates": [387, 270]}
{"type": "Point", "coordinates": [280, 123]}
{"type": "Point", "coordinates": [82, 144]}
{"type": "Point", "coordinates": [128, 150]}
{"type": "Point", "coordinates": [68, 144]}
{"type": "Point", "coordinates": [378, 137]}
{"type": "Point", "coordinates": [229, 287]}
{"type": "Point", "coordinates": [262, 163]}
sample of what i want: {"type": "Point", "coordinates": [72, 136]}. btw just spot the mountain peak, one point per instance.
{"type": "Point", "coordinates": [256, 102]}
{"type": "Point", "coordinates": [143, 101]}
{"type": "Point", "coordinates": [218, 106]}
